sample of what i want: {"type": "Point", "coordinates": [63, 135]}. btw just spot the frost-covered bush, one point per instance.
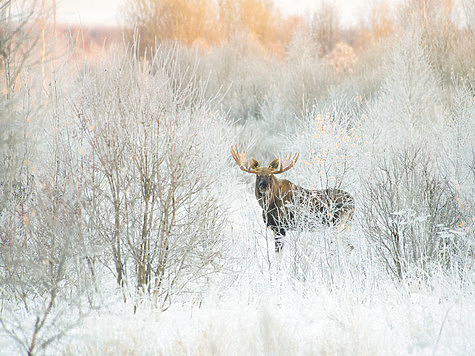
{"type": "Point", "coordinates": [411, 215]}
{"type": "Point", "coordinates": [302, 84]}
{"type": "Point", "coordinates": [419, 197]}
{"type": "Point", "coordinates": [154, 155]}
{"type": "Point", "coordinates": [342, 58]}
{"type": "Point", "coordinates": [331, 142]}
{"type": "Point", "coordinates": [410, 98]}
{"type": "Point", "coordinates": [42, 253]}
{"type": "Point", "coordinates": [41, 245]}
{"type": "Point", "coordinates": [242, 75]}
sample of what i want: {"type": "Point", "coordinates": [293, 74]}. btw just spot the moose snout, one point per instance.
{"type": "Point", "coordinates": [262, 185]}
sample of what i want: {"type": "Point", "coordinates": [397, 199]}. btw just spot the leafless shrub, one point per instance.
{"type": "Point", "coordinates": [23, 32]}
{"type": "Point", "coordinates": [342, 58]}
{"type": "Point", "coordinates": [326, 28]}
{"type": "Point", "coordinates": [410, 215]}
{"type": "Point", "coordinates": [152, 167]}
{"type": "Point", "coordinates": [39, 248]}
{"type": "Point", "coordinates": [39, 220]}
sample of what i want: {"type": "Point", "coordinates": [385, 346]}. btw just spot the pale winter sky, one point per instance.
{"type": "Point", "coordinates": [108, 12]}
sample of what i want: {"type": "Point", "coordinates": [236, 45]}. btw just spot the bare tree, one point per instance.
{"type": "Point", "coordinates": [145, 123]}
{"type": "Point", "coordinates": [410, 213]}
{"type": "Point", "coordinates": [40, 227]}
{"type": "Point", "coordinates": [38, 249]}
{"type": "Point", "coordinates": [326, 28]}
{"type": "Point", "coordinates": [23, 27]}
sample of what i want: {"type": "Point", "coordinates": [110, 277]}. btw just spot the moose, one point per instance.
{"type": "Point", "coordinates": [287, 206]}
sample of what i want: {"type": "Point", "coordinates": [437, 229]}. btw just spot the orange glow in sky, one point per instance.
{"type": "Point", "coordinates": [108, 12]}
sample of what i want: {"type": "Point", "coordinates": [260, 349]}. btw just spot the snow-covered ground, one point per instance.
{"type": "Point", "coordinates": [342, 305]}
{"type": "Point", "coordinates": [127, 228]}
{"type": "Point", "coordinates": [280, 322]}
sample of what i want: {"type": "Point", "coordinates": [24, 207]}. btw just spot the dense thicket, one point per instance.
{"type": "Point", "coordinates": [116, 183]}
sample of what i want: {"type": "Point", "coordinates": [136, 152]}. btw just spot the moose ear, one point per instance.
{"type": "Point", "coordinates": [274, 164]}
{"type": "Point", "coordinates": [254, 164]}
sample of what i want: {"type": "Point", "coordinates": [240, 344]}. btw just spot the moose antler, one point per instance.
{"type": "Point", "coordinates": [241, 159]}
{"type": "Point", "coordinates": [293, 159]}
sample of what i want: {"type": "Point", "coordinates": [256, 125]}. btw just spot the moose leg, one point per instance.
{"type": "Point", "coordinates": [279, 244]}
{"type": "Point", "coordinates": [278, 239]}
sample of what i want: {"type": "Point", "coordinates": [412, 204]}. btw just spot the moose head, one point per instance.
{"type": "Point", "coordinates": [266, 182]}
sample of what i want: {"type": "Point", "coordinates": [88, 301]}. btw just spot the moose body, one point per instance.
{"type": "Point", "coordinates": [287, 206]}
